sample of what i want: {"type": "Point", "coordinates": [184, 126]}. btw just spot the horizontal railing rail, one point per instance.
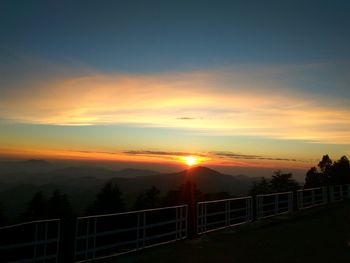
{"type": "Point", "coordinates": [109, 235]}
{"type": "Point", "coordinates": [219, 214]}
{"type": "Point", "coordinates": [339, 192]}
{"type": "Point", "coordinates": [310, 197]}
{"type": "Point", "coordinates": [269, 205]}
{"type": "Point", "coordinates": [35, 241]}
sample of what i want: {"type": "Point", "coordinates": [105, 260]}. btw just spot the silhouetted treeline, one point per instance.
{"type": "Point", "coordinates": [57, 206]}
{"type": "Point", "coordinates": [280, 182]}
{"type": "Point", "coordinates": [328, 172]}
{"type": "Point", "coordinates": [109, 200]}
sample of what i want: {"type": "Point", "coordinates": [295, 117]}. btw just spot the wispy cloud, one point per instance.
{"type": "Point", "coordinates": [158, 153]}
{"type": "Point", "coordinates": [209, 155]}
{"type": "Point", "coordinates": [186, 118]}
{"type": "Point", "coordinates": [231, 155]}
{"type": "Point", "coordinates": [253, 102]}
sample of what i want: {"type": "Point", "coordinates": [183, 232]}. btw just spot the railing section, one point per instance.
{"type": "Point", "coordinates": [269, 205]}
{"type": "Point", "coordinates": [36, 241]}
{"type": "Point", "coordinates": [311, 197]}
{"type": "Point", "coordinates": [115, 234]}
{"type": "Point", "coordinates": [339, 192]}
{"type": "Point", "coordinates": [219, 214]}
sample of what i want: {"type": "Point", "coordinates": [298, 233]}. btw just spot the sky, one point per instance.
{"type": "Point", "coordinates": [237, 84]}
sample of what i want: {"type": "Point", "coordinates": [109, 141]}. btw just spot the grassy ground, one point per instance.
{"type": "Point", "coordinates": [320, 235]}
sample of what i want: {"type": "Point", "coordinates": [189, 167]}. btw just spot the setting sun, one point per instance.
{"type": "Point", "coordinates": [190, 160]}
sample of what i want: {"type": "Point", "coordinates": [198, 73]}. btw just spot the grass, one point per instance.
{"type": "Point", "coordinates": [318, 235]}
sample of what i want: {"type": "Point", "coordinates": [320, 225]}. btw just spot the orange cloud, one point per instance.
{"type": "Point", "coordinates": [212, 102]}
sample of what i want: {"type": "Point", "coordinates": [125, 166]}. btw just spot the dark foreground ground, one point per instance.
{"type": "Point", "coordinates": [320, 235]}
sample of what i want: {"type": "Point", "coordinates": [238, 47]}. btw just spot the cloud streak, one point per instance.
{"type": "Point", "coordinates": [252, 102]}
{"type": "Point", "coordinates": [209, 155]}
{"type": "Point", "coordinates": [230, 155]}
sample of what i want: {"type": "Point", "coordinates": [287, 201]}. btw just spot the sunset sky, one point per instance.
{"type": "Point", "coordinates": [260, 84]}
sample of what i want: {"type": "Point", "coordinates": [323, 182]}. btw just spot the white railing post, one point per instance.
{"type": "Point", "coordinates": [87, 238]}
{"type": "Point", "coordinates": [94, 240]}
{"type": "Point", "coordinates": [58, 239]}
{"type": "Point", "coordinates": [300, 199]}
{"type": "Point", "coordinates": [144, 229]}
{"type": "Point", "coordinates": [35, 241]}
{"type": "Point", "coordinates": [45, 241]}
{"type": "Point", "coordinates": [205, 216]}
{"type": "Point", "coordinates": [138, 231]}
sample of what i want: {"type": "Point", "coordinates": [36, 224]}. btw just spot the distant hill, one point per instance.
{"type": "Point", "coordinates": [206, 179]}
{"type": "Point", "coordinates": [39, 172]}
{"type": "Point", "coordinates": [130, 172]}
{"type": "Point", "coordinates": [30, 166]}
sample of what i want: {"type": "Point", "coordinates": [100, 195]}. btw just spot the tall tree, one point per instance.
{"type": "Point", "coordinates": [148, 199]}
{"type": "Point", "coordinates": [261, 187]}
{"type": "Point", "coordinates": [340, 171]}
{"type": "Point", "coordinates": [283, 182]}
{"type": "Point", "coordinates": [280, 182]}
{"type": "Point", "coordinates": [108, 200]}
{"type": "Point", "coordinates": [59, 206]}
{"type": "Point", "coordinates": [36, 208]}
{"type": "Point", "coordinates": [325, 164]}
{"type": "Point", "coordinates": [314, 178]}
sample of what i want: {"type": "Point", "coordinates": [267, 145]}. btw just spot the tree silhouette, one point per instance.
{"type": "Point", "coordinates": [36, 208]}
{"type": "Point", "coordinates": [340, 171]}
{"type": "Point", "coordinates": [58, 206]}
{"type": "Point", "coordinates": [261, 187]}
{"type": "Point", "coordinates": [333, 173]}
{"type": "Point", "coordinates": [315, 179]}
{"type": "Point", "coordinates": [108, 200]}
{"type": "Point", "coordinates": [280, 182]}
{"type": "Point", "coordinates": [325, 165]}
{"type": "Point", "coordinates": [171, 198]}
{"type": "Point", "coordinates": [283, 182]}
{"type": "Point", "coordinates": [148, 199]}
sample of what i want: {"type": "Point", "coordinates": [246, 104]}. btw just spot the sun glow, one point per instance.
{"type": "Point", "coordinates": [191, 160]}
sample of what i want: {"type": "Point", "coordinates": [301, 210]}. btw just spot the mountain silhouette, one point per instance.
{"type": "Point", "coordinates": [206, 179]}
{"type": "Point", "coordinates": [30, 166]}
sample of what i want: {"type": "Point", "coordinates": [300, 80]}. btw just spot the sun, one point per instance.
{"type": "Point", "coordinates": [190, 160]}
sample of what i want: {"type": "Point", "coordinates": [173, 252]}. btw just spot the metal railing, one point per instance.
{"type": "Point", "coordinates": [114, 234]}
{"type": "Point", "coordinates": [269, 205]}
{"type": "Point", "coordinates": [339, 192]}
{"type": "Point", "coordinates": [311, 197]}
{"type": "Point", "coordinates": [36, 241]}
{"type": "Point", "coordinates": [219, 214]}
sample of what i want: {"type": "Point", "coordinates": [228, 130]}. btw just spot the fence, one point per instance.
{"type": "Point", "coordinates": [219, 214]}
{"type": "Point", "coordinates": [269, 205]}
{"type": "Point", "coordinates": [114, 234]}
{"type": "Point", "coordinates": [36, 241]}
{"type": "Point", "coordinates": [339, 192]}
{"type": "Point", "coordinates": [311, 197]}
